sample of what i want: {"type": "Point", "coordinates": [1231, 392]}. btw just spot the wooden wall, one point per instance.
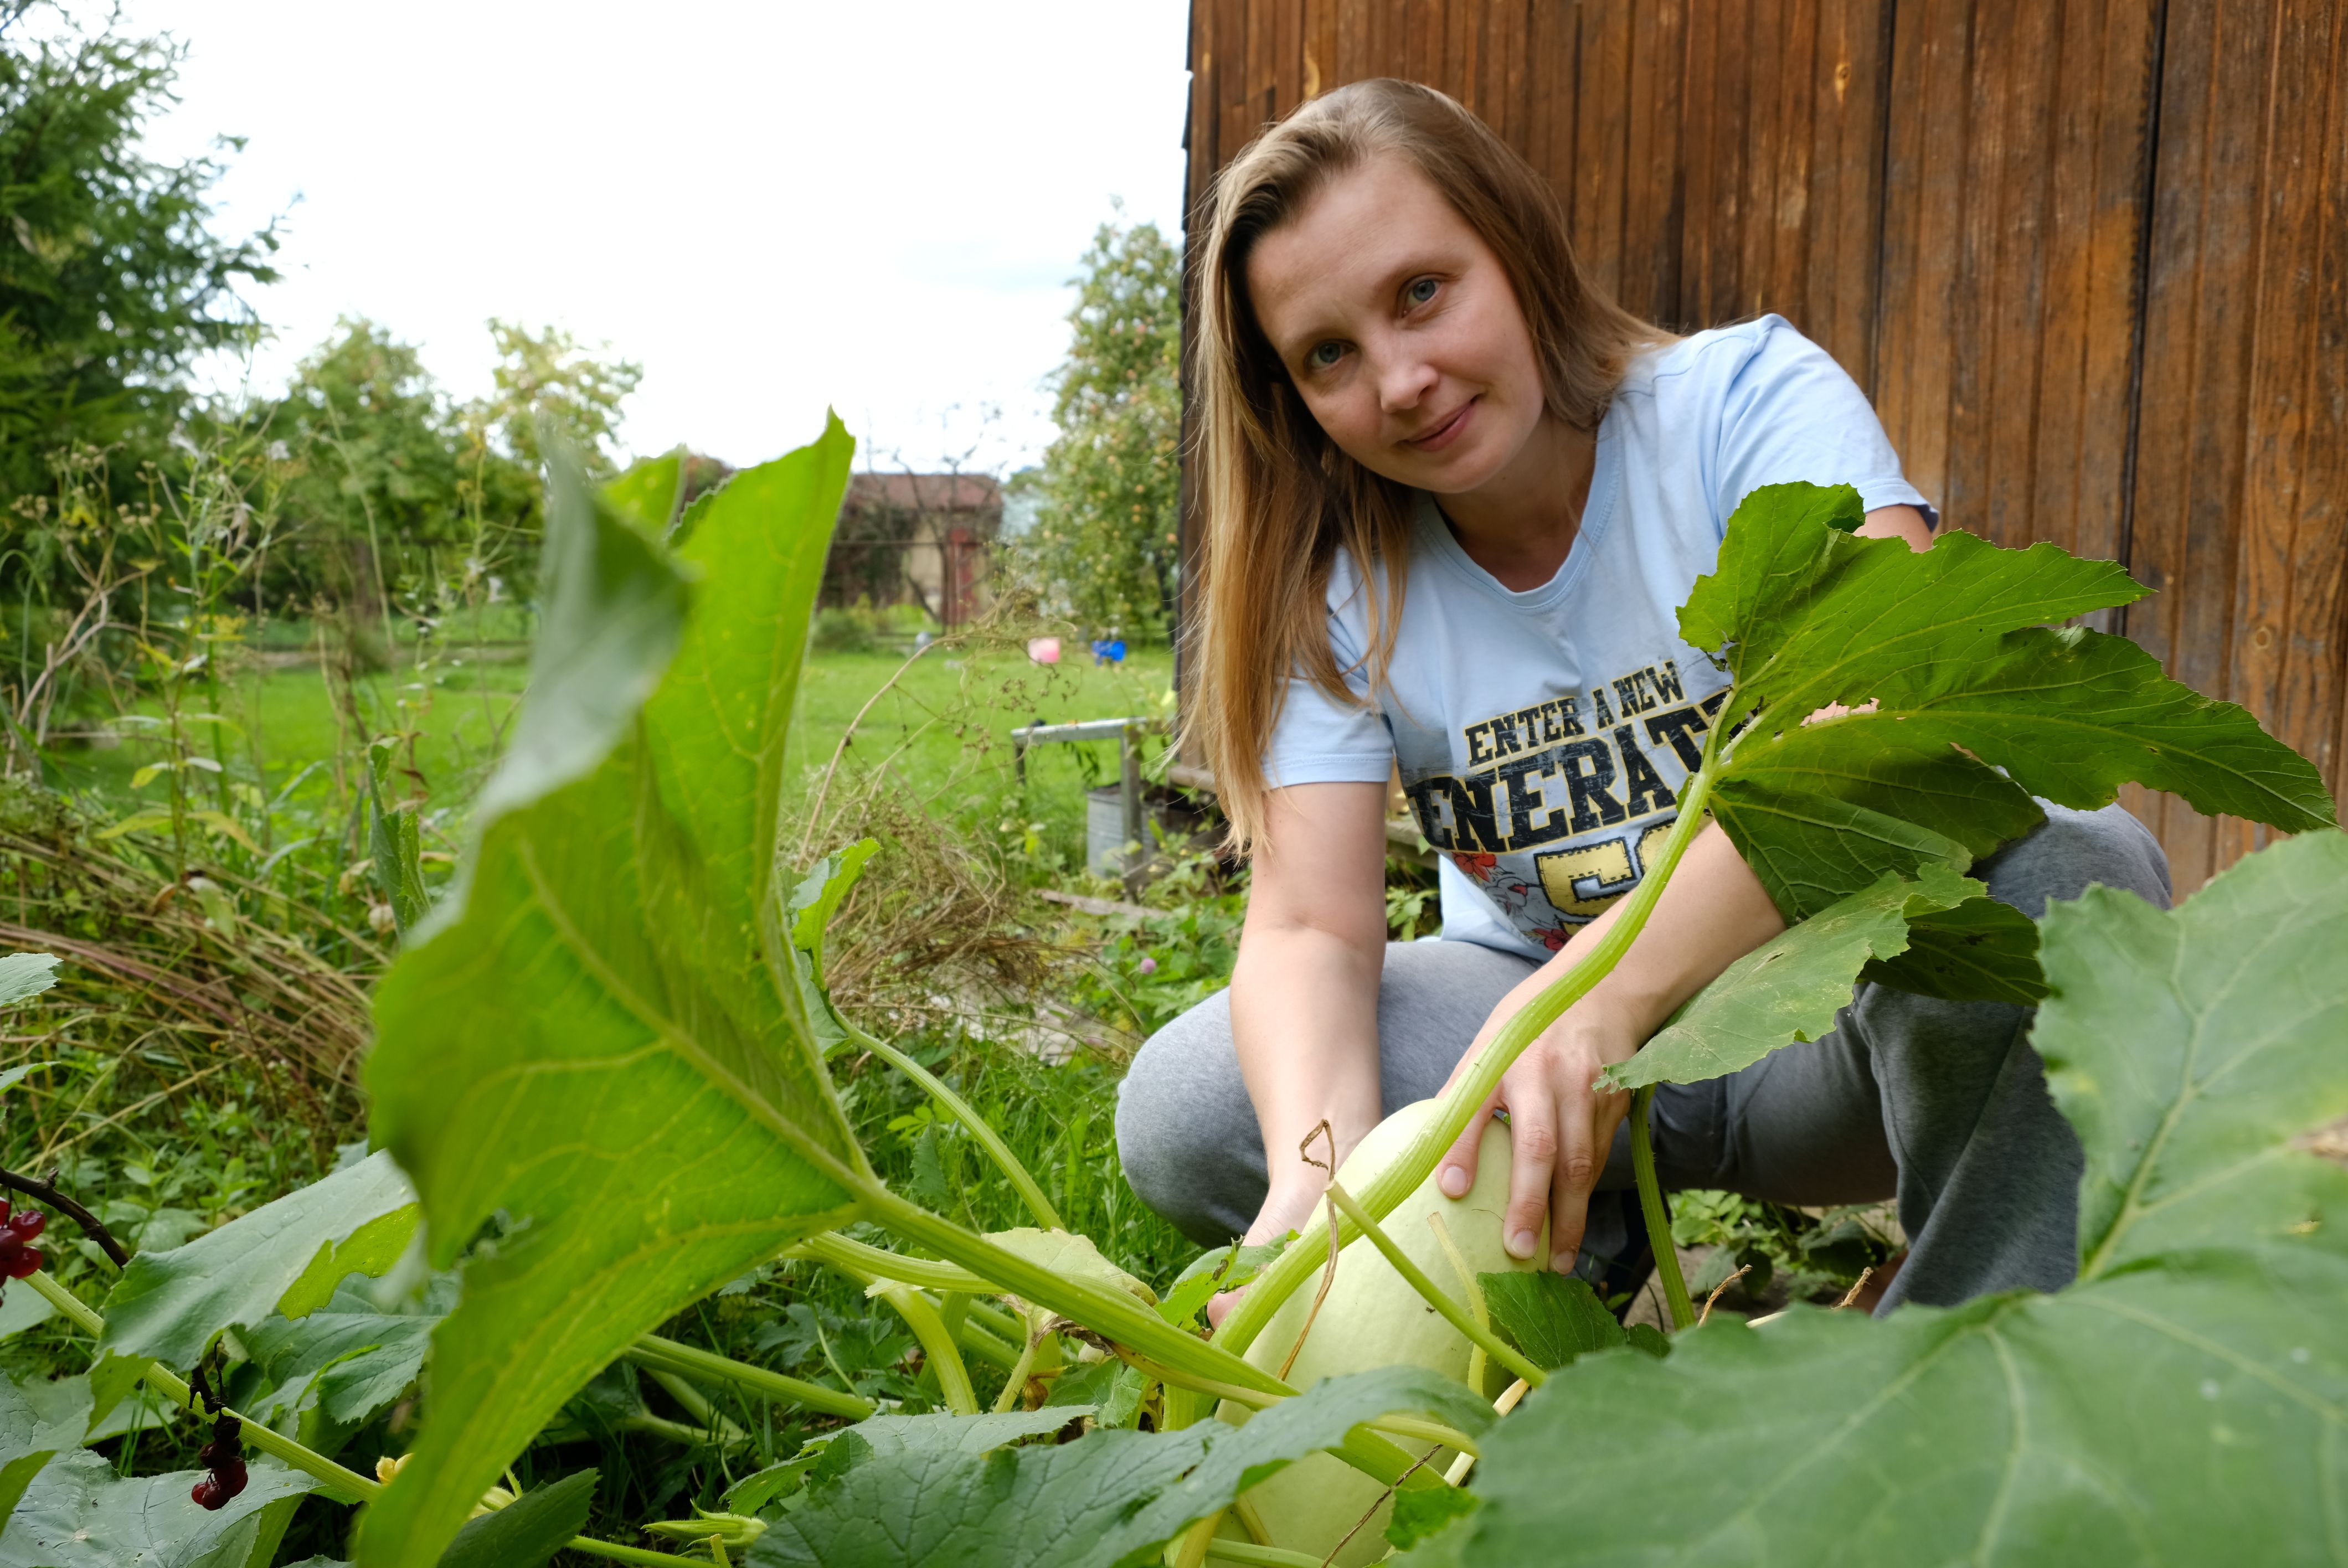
{"type": "Point", "coordinates": [2088, 257]}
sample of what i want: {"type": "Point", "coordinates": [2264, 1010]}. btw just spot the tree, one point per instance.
{"type": "Point", "coordinates": [377, 475]}
{"type": "Point", "coordinates": [548, 377]}
{"type": "Point", "coordinates": [110, 281]}
{"type": "Point", "coordinates": [1110, 489]}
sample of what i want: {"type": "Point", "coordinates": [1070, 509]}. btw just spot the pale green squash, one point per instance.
{"type": "Point", "coordinates": [1374, 1318]}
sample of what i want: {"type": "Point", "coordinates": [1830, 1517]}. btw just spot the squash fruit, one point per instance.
{"type": "Point", "coordinates": [1374, 1318]}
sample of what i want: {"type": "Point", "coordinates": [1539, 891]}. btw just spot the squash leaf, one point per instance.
{"type": "Point", "coordinates": [1977, 706]}
{"type": "Point", "coordinates": [77, 1514]}
{"type": "Point", "coordinates": [285, 1256]}
{"type": "Point", "coordinates": [1791, 987]}
{"type": "Point", "coordinates": [527, 1532]}
{"type": "Point", "coordinates": [2183, 1402]}
{"type": "Point", "coordinates": [23, 976]}
{"type": "Point", "coordinates": [600, 1036]}
{"type": "Point", "coordinates": [1554, 1319]}
{"type": "Point", "coordinates": [1111, 1497]}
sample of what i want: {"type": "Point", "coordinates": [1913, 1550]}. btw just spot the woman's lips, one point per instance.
{"type": "Point", "coordinates": [1445, 434]}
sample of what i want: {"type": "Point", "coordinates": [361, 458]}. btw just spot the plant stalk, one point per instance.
{"type": "Point", "coordinates": [1468, 1092]}
{"type": "Point", "coordinates": [1102, 1308]}
{"type": "Point", "coordinates": [1267, 1556]}
{"type": "Point", "coordinates": [1478, 1333]}
{"type": "Point", "coordinates": [921, 1315]}
{"type": "Point", "coordinates": [668, 1356]}
{"type": "Point", "coordinates": [348, 1483]}
{"type": "Point", "coordinates": [967, 1115]}
{"type": "Point", "coordinates": [1016, 1382]}
{"type": "Point", "coordinates": [1472, 1289]}
{"type": "Point", "coordinates": [1658, 1217]}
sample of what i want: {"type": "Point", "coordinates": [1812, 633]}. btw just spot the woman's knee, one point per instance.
{"type": "Point", "coordinates": [2072, 849]}
{"type": "Point", "coordinates": [1186, 1130]}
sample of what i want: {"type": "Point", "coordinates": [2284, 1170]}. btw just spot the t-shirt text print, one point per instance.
{"type": "Point", "coordinates": [1543, 736]}
{"type": "Point", "coordinates": [1562, 803]}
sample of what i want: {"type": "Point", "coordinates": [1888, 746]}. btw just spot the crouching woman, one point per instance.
{"type": "Point", "coordinates": [1454, 497]}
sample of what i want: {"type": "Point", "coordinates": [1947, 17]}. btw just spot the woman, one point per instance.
{"type": "Point", "coordinates": [1454, 500]}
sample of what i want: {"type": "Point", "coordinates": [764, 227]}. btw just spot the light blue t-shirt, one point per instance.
{"type": "Point", "coordinates": [1542, 736]}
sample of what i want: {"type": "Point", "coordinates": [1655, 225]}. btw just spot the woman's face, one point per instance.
{"type": "Point", "coordinates": [1400, 330]}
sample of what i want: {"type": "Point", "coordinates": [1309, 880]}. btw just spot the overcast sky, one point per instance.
{"type": "Point", "coordinates": [770, 206]}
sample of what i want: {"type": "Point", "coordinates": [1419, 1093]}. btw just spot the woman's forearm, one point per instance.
{"type": "Point", "coordinates": [1304, 1020]}
{"type": "Point", "coordinates": [1714, 912]}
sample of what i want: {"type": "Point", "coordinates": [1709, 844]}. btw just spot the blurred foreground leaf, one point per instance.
{"type": "Point", "coordinates": [601, 1038]}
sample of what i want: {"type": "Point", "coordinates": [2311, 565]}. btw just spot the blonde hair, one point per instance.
{"type": "Point", "coordinates": [1280, 497]}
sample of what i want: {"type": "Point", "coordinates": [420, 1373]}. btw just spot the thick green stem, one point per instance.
{"type": "Point", "coordinates": [611, 1553]}
{"type": "Point", "coordinates": [716, 1428]}
{"type": "Point", "coordinates": [964, 1111]}
{"type": "Point", "coordinates": [1658, 1217]}
{"type": "Point", "coordinates": [1425, 1431]}
{"type": "Point", "coordinates": [349, 1483]}
{"type": "Point", "coordinates": [1016, 1382]}
{"type": "Point", "coordinates": [1268, 1556]}
{"type": "Point", "coordinates": [1474, 1086]}
{"type": "Point", "coordinates": [1103, 1308]}
{"type": "Point", "coordinates": [921, 1315]}
{"type": "Point", "coordinates": [878, 1263]}
{"type": "Point", "coordinates": [1479, 1334]}
{"type": "Point", "coordinates": [1473, 1289]}
{"type": "Point", "coordinates": [668, 1356]}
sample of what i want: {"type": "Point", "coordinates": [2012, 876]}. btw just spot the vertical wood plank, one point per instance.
{"type": "Point", "coordinates": [1923, 193]}
{"type": "Point", "coordinates": [1847, 94]}
{"type": "Point", "coordinates": [1553, 43]}
{"type": "Point", "coordinates": [2286, 620]}
{"type": "Point", "coordinates": [2189, 457]}
{"type": "Point", "coordinates": [1600, 145]}
{"type": "Point", "coordinates": [1654, 194]}
{"type": "Point", "coordinates": [1357, 52]}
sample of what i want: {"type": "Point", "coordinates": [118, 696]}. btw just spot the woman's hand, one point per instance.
{"type": "Point", "coordinates": [1560, 1130]}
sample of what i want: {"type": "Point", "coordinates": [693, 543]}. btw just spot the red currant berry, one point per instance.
{"type": "Point", "coordinates": [28, 1223]}
{"type": "Point", "coordinates": [207, 1493]}
{"type": "Point", "coordinates": [25, 1264]}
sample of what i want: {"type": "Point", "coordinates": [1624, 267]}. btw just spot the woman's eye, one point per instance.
{"type": "Point", "coordinates": [1322, 355]}
{"type": "Point", "coordinates": [1422, 290]}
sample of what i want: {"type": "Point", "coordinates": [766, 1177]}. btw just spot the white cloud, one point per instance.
{"type": "Point", "coordinates": [770, 206]}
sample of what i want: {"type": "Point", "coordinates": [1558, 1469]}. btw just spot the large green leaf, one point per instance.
{"type": "Point", "coordinates": [527, 1531]}
{"type": "Point", "coordinates": [284, 1257]}
{"type": "Point", "coordinates": [25, 974]}
{"type": "Point", "coordinates": [77, 1514]}
{"type": "Point", "coordinates": [1111, 1497]}
{"type": "Point", "coordinates": [1978, 706]}
{"type": "Point", "coordinates": [359, 1363]}
{"type": "Point", "coordinates": [603, 1038]}
{"type": "Point", "coordinates": [2186, 1401]}
{"type": "Point", "coordinates": [1791, 987]}
{"type": "Point", "coordinates": [30, 1437]}
{"type": "Point", "coordinates": [1555, 1319]}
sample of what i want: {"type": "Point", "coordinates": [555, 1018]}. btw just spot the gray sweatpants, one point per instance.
{"type": "Point", "coordinates": [1941, 1105]}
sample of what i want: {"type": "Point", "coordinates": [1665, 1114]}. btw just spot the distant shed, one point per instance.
{"type": "Point", "coordinates": [2088, 257]}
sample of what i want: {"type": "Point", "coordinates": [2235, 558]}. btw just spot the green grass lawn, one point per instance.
{"type": "Point", "coordinates": [943, 727]}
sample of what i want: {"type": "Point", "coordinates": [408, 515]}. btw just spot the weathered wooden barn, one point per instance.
{"type": "Point", "coordinates": [2088, 257]}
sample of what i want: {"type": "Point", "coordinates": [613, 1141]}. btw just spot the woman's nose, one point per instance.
{"type": "Point", "coordinates": [1403, 382]}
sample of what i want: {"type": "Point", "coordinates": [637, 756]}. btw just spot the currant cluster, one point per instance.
{"type": "Point", "coordinates": [223, 1460]}
{"type": "Point", "coordinates": [18, 1256]}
